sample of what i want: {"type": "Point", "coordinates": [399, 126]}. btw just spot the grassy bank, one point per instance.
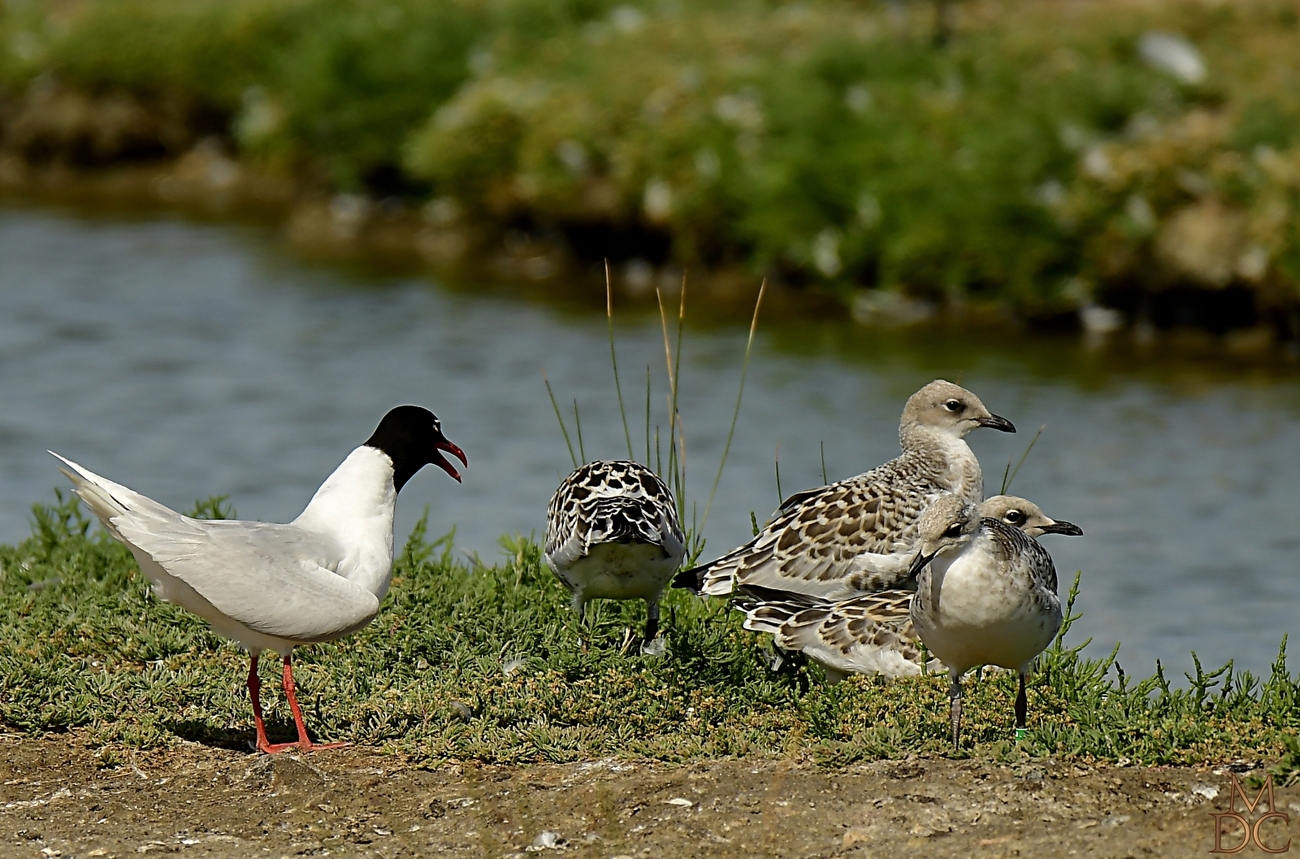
{"type": "Point", "coordinates": [1045, 158]}
{"type": "Point", "coordinates": [481, 662]}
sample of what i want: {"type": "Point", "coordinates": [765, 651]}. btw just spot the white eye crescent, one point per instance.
{"type": "Point", "coordinates": [953, 405]}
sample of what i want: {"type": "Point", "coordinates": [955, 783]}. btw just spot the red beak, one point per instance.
{"type": "Point", "coordinates": [442, 462]}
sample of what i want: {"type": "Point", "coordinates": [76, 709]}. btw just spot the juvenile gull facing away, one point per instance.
{"type": "Point", "coordinates": [275, 587]}
{"type": "Point", "coordinates": [858, 535]}
{"type": "Point", "coordinates": [986, 595]}
{"type": "Point", "coordinates": [871, 633]}
{"type": "Point", "coordinates": [612, 532]}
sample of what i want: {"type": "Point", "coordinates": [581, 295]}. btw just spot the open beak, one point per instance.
{"type": "Point", "coordinates": [1060, 526]}
{"type": "Point", "coordinates": [442, 462]}
{"type": "Point", "coordinates": [919, 563]}
{"type": "Point", "coordinates": [995, 422]}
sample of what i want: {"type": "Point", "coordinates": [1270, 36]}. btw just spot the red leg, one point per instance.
{"type": "Point", "coordinates": [255, 696]}
{"type": "Point", "coordinates": [304, 742]}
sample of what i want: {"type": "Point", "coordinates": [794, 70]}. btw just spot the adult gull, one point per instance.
{"type": "Point", "coordinates": [267, 586]}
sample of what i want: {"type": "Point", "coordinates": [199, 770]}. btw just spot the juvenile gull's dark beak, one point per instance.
{"type": "Point", "coordinates": [998, 423]}
{"type": "Point", "coordinates": [441, 461]}
{"type": "Point", "coordinates": [919, 563]}
{"type": "Point", "coordinates": [1060, 526]}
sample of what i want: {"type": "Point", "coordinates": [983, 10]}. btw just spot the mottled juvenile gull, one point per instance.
{"type": "Point", "coordinates": [859, 535]}
{"type": "Point", "coordinates": [871, 633]}
{"type": "Point", "coordinates": [986, 595]}
{"type": "Point", "coordinates": [275, 587]}
{"type": "Point", "coordinates": [612, 532]}
{"type": "Point", "coordinates": [867, 634]}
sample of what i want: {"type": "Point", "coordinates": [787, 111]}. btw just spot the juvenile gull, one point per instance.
{"type": "Point", "coordinates": [871, 633]}
{"type": "Point", "coordinates": [858, 535]}
{"type": "Point", "coordinates": [275, 587]}
{"type": "Point", "coordinates": [986, 595]}
{"type": "Point", "coordinates": [612, 532]}
{"type": "Point", "coordinates": [867, 634]}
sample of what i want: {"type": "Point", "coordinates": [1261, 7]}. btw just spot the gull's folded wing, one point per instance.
{"type": "Point", "coordinates": [278, 580]}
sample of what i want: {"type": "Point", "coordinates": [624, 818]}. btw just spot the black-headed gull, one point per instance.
{"type": "Point", "coordinates": [274, 587]}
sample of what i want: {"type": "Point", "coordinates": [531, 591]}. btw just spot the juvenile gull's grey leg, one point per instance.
{"type": "Point", "coordinates": [954, 712]}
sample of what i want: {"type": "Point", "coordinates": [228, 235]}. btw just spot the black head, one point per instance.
{"type": "Point", "coordinates": [412, 437]}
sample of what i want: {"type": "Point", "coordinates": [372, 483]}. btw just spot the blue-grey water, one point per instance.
{"type": "Point", "coordinates": [188, 360]}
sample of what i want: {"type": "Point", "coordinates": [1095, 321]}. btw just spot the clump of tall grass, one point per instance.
{"type": "Point", "coordinates": [667, 460]}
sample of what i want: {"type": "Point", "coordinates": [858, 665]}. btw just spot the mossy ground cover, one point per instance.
{"type": "Point", "coordinates": [475, 661]}
{"type": "Point", "coordinates": [1036, 159]}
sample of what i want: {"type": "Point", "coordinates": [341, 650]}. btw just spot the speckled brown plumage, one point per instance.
{"type": "Point", "coordinates": [856, 535]}
{"type": "Point", "coordinates": [873, 633]}
{"type": "Point", "coordinates": [869, 634]}
{"type": "Point", "coordinates": [612, 532]}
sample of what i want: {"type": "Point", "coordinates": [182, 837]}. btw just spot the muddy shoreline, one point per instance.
{"type": "Point", "coordinates": [56, 799]}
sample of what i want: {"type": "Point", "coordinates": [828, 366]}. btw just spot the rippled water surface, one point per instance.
{"type": "Point", "coordinates": [189, 360]}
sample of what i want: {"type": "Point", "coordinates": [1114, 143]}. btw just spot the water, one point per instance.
{"type": "Point", "coordinates": [190, 360]}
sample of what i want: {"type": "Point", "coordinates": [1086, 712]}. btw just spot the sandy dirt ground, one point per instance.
{"type": "Point", "coordinates": [197, 801]}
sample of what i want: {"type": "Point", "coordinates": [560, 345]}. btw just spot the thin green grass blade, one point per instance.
{"type": "Point", "coordinates": [677, 375]}
{"type": "Point", "coordinates": [681, 465]}
{"type": "Point", "coordinates": [1007, 481]}
{"type": "Point", "coordinates": [577, 419]}
{"type": "Point", "coordinates": [613, 358]}
{"type": "Point", "coordinates": [647, 414]}
{"type": "Point", "coordinates": [659, 454]}
{"type": "Point", "coordinates": [673, 477]}
{"type": "Point", "coordinates": [555, 405]}
{"type": "Point", "coordinates": [780, 496]}
{"type": "Point", "coordinates": [672, 388]}
{"type": "Point", "coordinates": [735, 414]}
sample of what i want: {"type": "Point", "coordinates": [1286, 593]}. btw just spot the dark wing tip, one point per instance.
{"type": "Point", "coordinates": [692, 579]}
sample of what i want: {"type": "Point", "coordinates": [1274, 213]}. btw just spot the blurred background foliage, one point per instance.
{"type": "Point", "coordinates": [1046, 155]}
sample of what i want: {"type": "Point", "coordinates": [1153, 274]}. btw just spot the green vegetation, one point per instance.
{"type": "Point", "coordinates": [479, 662]}
{"type": "Point", "coordinates": [1035, 160]}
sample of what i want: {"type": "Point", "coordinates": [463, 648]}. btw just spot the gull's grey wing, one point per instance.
{"type": "Point", "coordinates": [275, 579]}
{"type": "Point", "coordinates": [1027, 557]}
{"type": "Point", "coordinates": [278, 580]}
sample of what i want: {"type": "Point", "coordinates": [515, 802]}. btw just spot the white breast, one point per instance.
{"type": "Point", "coordinates": [354, 507]}
{"type": "Point", "coordinates": [963, 476]}
{"type": "Point", "coordinates": [978, 612]}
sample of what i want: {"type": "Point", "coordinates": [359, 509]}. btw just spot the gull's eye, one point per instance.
{"type": "Point", "coordinates": [953, 405]}
{"type": "Point", "coordinates": [954, 530]}
{"type": "Point", "coordinates": [1014, 517]}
